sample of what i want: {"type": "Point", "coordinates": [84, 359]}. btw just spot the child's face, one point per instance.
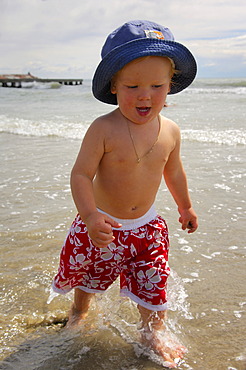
{"type": "Point", "coordinates": [141, 87]}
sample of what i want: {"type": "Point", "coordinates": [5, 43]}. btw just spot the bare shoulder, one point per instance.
{"type": "Point", "coordinates": [169, 124]}
{"type": "Point", "coordinates": [171, 128]}
{"type": "Point", "coordinates": [103, 121]}
{"type": "Point", "coordinates": [98, 130]}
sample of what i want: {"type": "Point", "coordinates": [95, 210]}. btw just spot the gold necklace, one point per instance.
{"type": "Point", "coordinates": [152, 147]}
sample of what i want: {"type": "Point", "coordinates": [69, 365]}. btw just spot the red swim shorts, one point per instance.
{"type": "Point", "coordinates": [139, 255]}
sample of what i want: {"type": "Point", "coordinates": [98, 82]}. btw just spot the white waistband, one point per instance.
{"type": "Point", "coordinates": [134, 223]}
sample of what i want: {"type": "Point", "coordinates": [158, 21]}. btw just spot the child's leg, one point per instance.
{"type": "Point", "coordinates": [80, 307]}
{"type": "Point", "coordinates": [155, 335]}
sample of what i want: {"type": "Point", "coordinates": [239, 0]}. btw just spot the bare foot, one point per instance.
{"type": "Point", "coordinates": [75, 318]}
{"type": "Point", "coordinates": [164, 344]}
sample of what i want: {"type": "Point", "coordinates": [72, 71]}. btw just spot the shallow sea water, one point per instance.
{"type": "Point", "coordinates": [207, 294]}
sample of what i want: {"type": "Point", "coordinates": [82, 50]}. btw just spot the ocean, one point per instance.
{"type": "Point", "coordinates": [41, 127]}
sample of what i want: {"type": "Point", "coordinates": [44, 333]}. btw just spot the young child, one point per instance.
{"type": "Point", "coordinates": [116, 177]}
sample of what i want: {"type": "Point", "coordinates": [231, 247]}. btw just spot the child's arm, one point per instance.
{"type": "Point", "coordinates": [176, 181]}
{"type": "Point", "coordinates": [99, 226]}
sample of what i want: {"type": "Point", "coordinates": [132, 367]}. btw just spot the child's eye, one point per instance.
{"type": "Point", "coordinates": [132, 87]}
{"type": "Point", "coordinates": [156, 86]}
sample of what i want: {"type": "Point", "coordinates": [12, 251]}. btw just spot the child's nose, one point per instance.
{"type": "Point", "coordinates": [144, 94]}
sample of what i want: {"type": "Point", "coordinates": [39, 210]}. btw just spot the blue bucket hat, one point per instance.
{"type": "Point", "coordinates": [137, 39]}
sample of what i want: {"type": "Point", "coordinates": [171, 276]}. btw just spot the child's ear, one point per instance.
{"type": "Point", "coordinates": [113, 87]}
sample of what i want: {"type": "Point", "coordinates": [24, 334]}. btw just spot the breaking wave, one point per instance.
{"type": "Point", "coordinates": [62, 127]}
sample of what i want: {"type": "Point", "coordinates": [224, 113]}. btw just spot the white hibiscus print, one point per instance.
{"type": "Point", "coordinates": [75, 229]}
{"type": "Point", "coordinates": [77, 261]}
{"type": "Point", "coordinates": [89, 282]}
{"type": "Point", "coordinates": [112, 252]}
{"type": "Point", "coordinates": [149, 278]}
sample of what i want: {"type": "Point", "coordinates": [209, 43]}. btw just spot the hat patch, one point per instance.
{"type": "Point", "coordinates": [153, 34]}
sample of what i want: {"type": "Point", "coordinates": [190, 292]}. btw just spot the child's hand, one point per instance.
{"type": "Point", "coordinates": [99, 228]}
{"type": "Point", "coordinates": [188, 219]}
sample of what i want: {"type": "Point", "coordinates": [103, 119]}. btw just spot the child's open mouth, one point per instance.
{"type": "Point", "coordinates": [143, 111]}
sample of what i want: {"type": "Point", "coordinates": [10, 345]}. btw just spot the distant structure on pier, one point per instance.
{"type": "Point", "coordinates": [16, 80]}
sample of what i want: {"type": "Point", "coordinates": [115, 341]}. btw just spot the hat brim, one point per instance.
{"type": "Point", "coordinates": [115, 60]}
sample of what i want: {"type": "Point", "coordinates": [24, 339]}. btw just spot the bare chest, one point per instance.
{"type": "Point", "coordinates": [149, 151]}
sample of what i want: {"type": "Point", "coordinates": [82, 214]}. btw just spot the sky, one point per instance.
{"type": "Point", "coordinates": [63, 38]}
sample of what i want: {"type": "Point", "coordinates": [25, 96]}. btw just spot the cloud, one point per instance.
{"type": "Point", "coordinates": [64, 37]}
{"type": "Point", "coordinates": [221, 47]}
{"type": "Point", "coordinates": [223, 56]}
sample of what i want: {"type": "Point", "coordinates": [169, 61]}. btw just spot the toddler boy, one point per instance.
{"type": "Point", "coordinates": [116, 176]}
